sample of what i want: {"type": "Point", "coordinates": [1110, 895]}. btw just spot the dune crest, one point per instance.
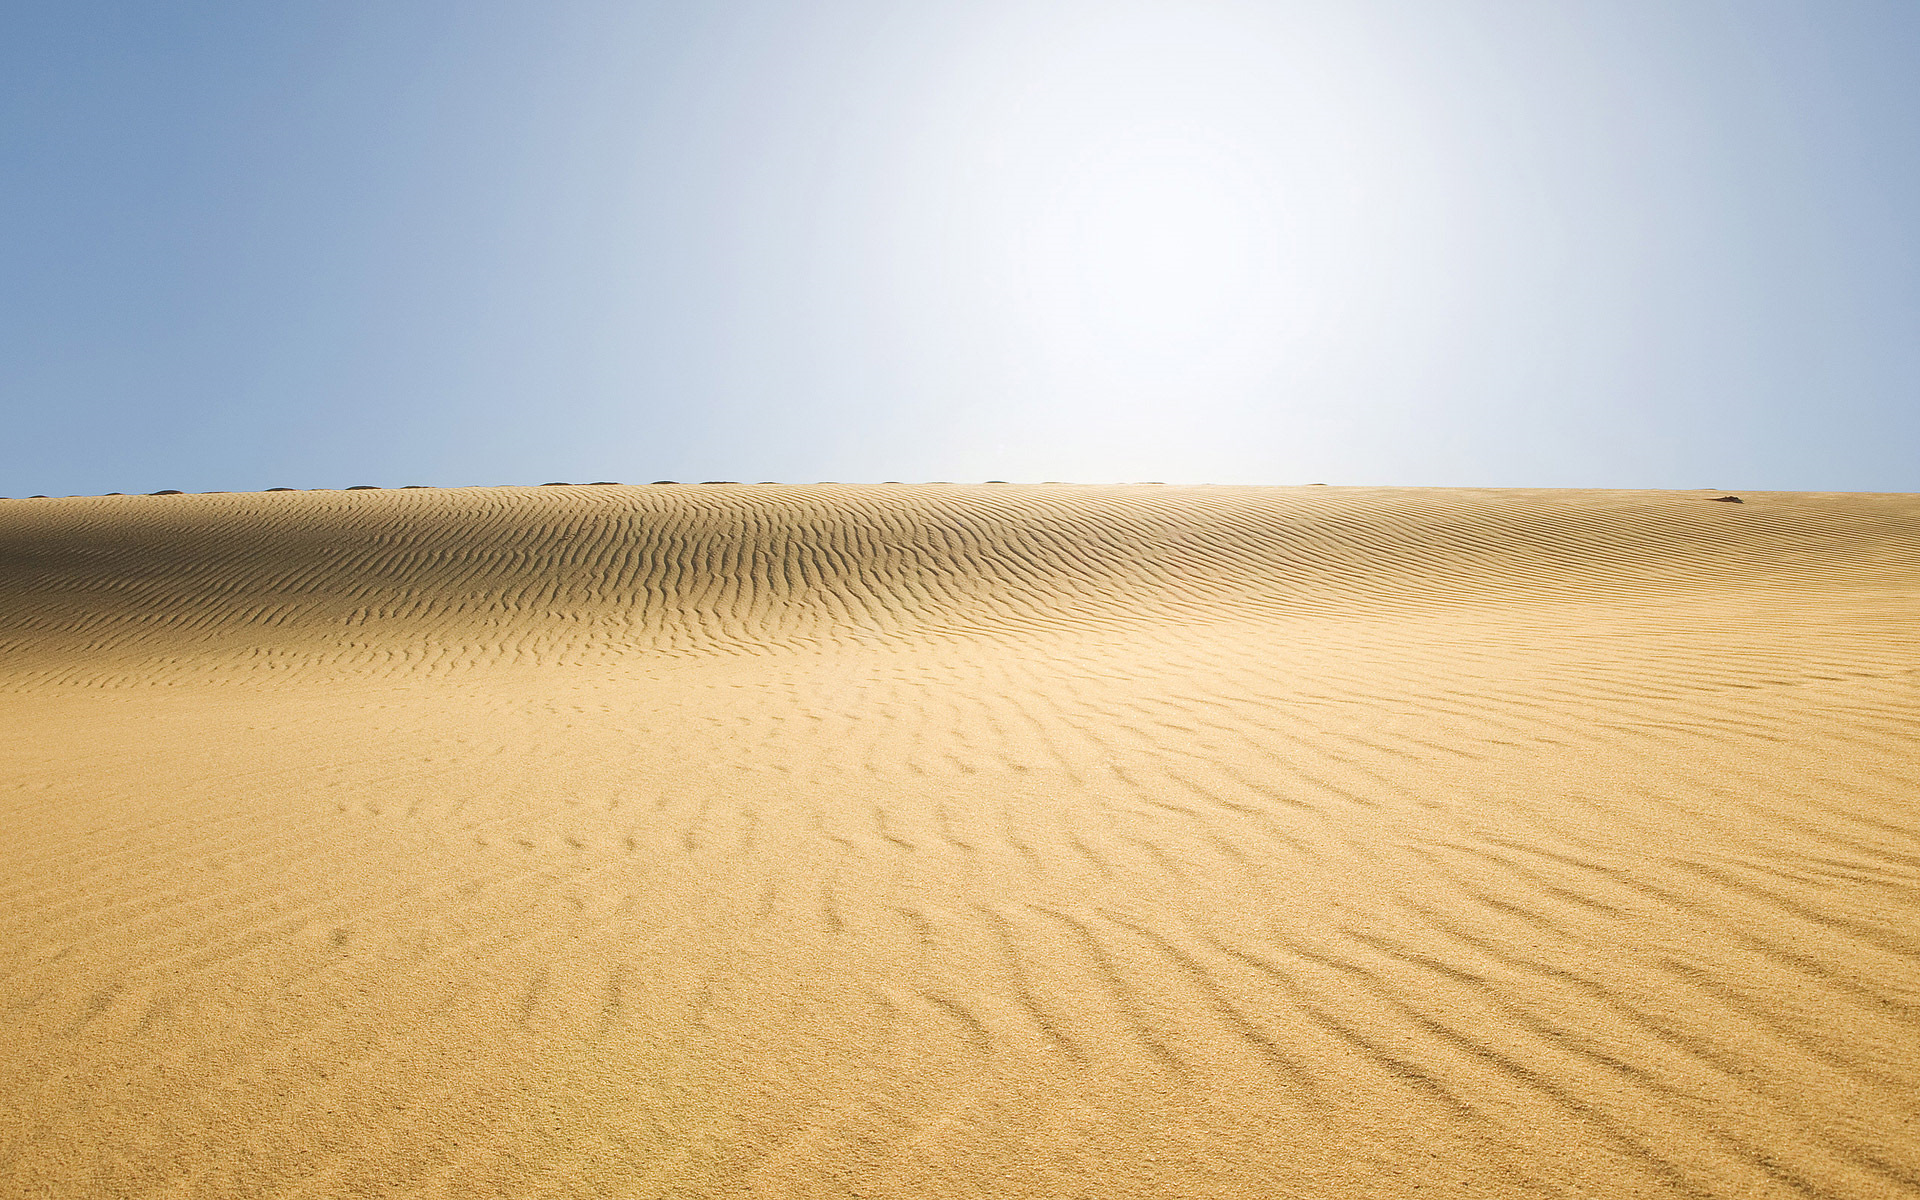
{"type": "Point", "coordinates": [718, 839]}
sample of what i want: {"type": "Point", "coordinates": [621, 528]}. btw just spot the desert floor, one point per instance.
{"type": "Point", "coordinates": [931, 841]}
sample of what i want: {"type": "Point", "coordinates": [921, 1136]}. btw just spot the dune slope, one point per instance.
{"type": "Point", "coordinates": [960, 841]}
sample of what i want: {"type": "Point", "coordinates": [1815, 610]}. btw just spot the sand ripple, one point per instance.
{"type": "Point", "coordinates": [936, 841]}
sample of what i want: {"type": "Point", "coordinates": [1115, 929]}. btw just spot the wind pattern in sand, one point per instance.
{"type": "Point", "coordinates": [931, 841]}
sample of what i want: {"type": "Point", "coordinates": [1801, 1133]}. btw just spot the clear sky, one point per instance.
{"type": "Point", "coordinates": [1672, 243]}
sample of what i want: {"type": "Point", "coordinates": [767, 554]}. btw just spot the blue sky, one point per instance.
{"type": "Point", "coordinates": [1466, 242]}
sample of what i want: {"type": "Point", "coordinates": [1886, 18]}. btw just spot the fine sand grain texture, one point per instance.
{"type": "Point", "coordinates": [936, 841]}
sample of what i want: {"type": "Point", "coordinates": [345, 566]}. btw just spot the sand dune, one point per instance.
{"type": "Point", "coordinates": [960, 841]}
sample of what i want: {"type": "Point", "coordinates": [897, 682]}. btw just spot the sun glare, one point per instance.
{"type": "Point", "coordinates": [1147, 209]}
{"type": "Point", "coordinates": [1148, 251]}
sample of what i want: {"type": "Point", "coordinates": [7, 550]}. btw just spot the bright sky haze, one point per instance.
{"type": "Point", "coordinates": [1617, 243]}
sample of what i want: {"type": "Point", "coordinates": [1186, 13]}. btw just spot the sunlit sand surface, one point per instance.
{"type": "Point", "coordinates": [960, 841]}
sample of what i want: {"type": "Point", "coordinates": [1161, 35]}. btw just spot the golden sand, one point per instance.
{"type": "Point", "coordinates": [960, 841]}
